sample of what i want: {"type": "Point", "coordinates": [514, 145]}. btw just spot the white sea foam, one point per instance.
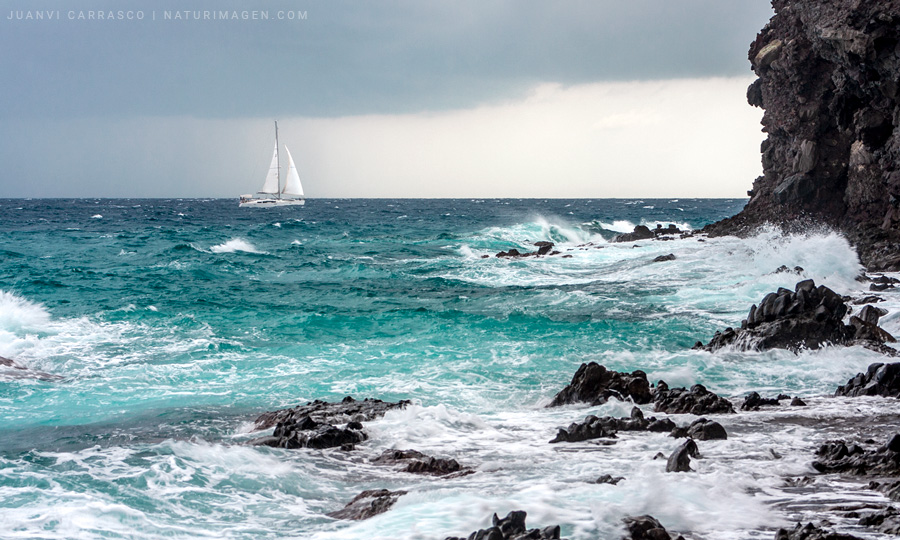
{"type": "Point", "coordinates": [235, 245]}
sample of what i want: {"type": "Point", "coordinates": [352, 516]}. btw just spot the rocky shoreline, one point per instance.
{"type": "Point", "coordinates": [340, 426]}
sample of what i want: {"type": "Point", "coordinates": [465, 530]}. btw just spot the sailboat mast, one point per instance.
{"type": "Point", "coordinates": [277, 160]}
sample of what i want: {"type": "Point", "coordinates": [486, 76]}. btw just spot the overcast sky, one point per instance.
{"type": "Point", "coordinates": [514, 98]}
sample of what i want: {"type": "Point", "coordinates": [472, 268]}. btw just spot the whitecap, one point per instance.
{"type": "Point", "coordinates": [234, 245]}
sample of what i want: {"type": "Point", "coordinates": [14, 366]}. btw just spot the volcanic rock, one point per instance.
{"type": "Point", "coordinates": [416, 462]}
{"type": "Point", "coordinates": [642, 232]}
{"type": "Point", "coordinates": [828, 77]}
{"type": "Point", "coordinates": [645, 528]}
{"type": "Point", "coordinates": [544, 248]}
{"type": "Point", "coordinates": [664, 258]}
{"type": "Point", "coordinates": [608, 479]}
{"type": "Point", "coordinates": [347, 410]}
{"type": "Point", "coordinates": [512, 527]}
{"type": "Point", "coordinates": [680, 459]}
{"type": "Point", "coordinates": [885, 521]}
{"type": "Point", "coordinates": [595, 384]}
{"type": "Point", "coordinates": [307, 433]}
{"type": "Point", "coordinates": [811, 532]}
{"type": "Point", "coordinates": [367, 504]}
{"type": "Point", "coordinates": [18, 371]}
{"type": "Point", "coordinates": [698, 400]}
{"type": "Point", "coordinates": [879, 380]}
{"type": "Point", "coordinates": [594, 428]}
{"type": "Point", "coordinates": [754, 401]}
{"type": "Point", "coordinates": [837, 456]}
{"type": "Point", "coordinates": [807, 317]}
{"type": "Point", "coordinates": [706, 430]}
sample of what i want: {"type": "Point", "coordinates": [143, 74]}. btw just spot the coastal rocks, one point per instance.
{"type": "Point", "coordinates": [544, 248]}
{"type": "Point", "coordinates": [754, 401]}
{"type": "Point", "coordinates": [706, 430]}
{"type": "Point", "coordinates": [837, 456]}
{"type": "Point", "coordinates": [828, 84]}
{"type": "Point", "coordinates": [698, 400]}
{"type": "Point", "coordinates": [664, 258]}
{"type": "Point", "coordinates": [680, 459]}
{"type": "Point", "coordinates": [416, 462]}
{"type": "Point", "coordinates": [608, 479]}
{"type": "Point", "coordinates": [512, 527]}
{"type": "Point", "coordinates": [595, 384]}
{"type": "Point", "coordinates": [879, 380]}
{"type": "Point", "coordinates": [646, 528]}
{"type": "Point", "coordinates": [312, 425]}
{"type": "Point", "coordinates": [811, 532]}
{"type": "Point", "coordinates": [807, 317]}
{"type": "Point", "coordinates": [642, 232]}
{"type": "Point", "coordinates": [347, 410]}
{"type": "Point", "coordinates": [607, 426]}
{"type": "Point", "coordinates": [885, 521]}
{"type": "Point", "coordinates": [367, 504]}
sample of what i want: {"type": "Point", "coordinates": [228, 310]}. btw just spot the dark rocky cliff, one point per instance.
{"type": "Point", "coordinates": [829, 81]}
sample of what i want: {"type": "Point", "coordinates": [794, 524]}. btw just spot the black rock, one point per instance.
{"type": "Point", "coordinates": [706, 430]}
{"type": "Point", "coordinates": [18, 371]}
{"type": "Point", "coordinates": [808, 317]}
{"type": "Point", "coordinates": [664, 258]}
{"type": "Point", "coordinates": [885, 521]}
{"type": "Point", "coordinates": [347, 410]}
{"type": "Point", "coordinates": [680, 459]}
{"type": "Point", "coordinates": [797, 402]}
{"type": "Point", "coordinates": [879, 380]}
{"type": "Point", "coordinates": [837, 456]}
{"type": "Point", "coordinates": [753, 402]}
{"type": "Point", "coordinates": [594, 428]}
{"type": "Point", "coordinates": [416, 462]}
{"type": "Point", "coordinates": [595, 384]}
{"type": "Point", "coordinates": [811, 532]}
{"type": "Point", "coordinates": [698, 400]}
{"type": "Point", "coordinates": [512, 527]}
{"type": "Point", "coordinates": [608, 479]}
{"type": "Point", "coordinates": [641, 232]}
{"type": "Point", "coordinates": [309, 434]}
{"type": "Point", "coordinates": [367, 504]}
{"type": "Point", "coordinates": [645, 528]}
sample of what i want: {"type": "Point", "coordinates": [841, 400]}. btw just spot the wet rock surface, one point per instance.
{"type": "Point", "coordinates": [544, 248]}
{"type": "Point", "coordinates": [13, 370]}
{"type": "Point", "coordinates": [696, 400]}
{"type": "Point", "coordinates": [828, 84]}
{"type": "Point", "coordinates": [346, 410]}
{"type": "Point", "coordinates": [811, 532]}
{"type": "Point", "coordinates": [367, 504]}
{"type": "Point", "coordinates": [840, 457]}
{"type": "Point", "coordinates": [313, 425]}
{"type": "Point", "coordinates": [680, 459]}
{"type": "Point", "coordinates": [806, 318]}
{"type": "Point", "coordinates": [594, 427]}
{"type": "Point", "coordinates": [885, 521]}
{"type": "Point", "coordinates": [642, 232]}
{"type": "Point", "coordinates": [646, 528]}
{"type": "Point", "coordinates": [511, 527]}
{"type": "Point", "coordinates": [879, 380]}
{"type": "Point", "coordinates": [415, 462]}
{"type": "Point", "coordinates": [595, 384]}
{"type": "Point", "coordinates": [754, 401]}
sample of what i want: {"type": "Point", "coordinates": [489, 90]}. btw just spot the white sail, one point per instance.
{"type": "Point", "coordinates": [292, 183]}
{"type": "Point", "coordinates": [271, 185]}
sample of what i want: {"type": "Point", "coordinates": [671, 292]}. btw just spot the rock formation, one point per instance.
{"type": "Point", "coordinates": [595, 384]}
{"type": "Point", "coordinates": [367, 504]}
{"type": "Point", "coordinates": [828, 82]}
{"type": "Point", "coordinates": [645, 528]}
{"type": "Point", "coordinates": [696, 400]}
{"type": "Point", "coordinates": [879, 380]}
{"type": "Point", "coordinates": [512, 527]}
{"type": "Point", "coordinates": [807, 317]}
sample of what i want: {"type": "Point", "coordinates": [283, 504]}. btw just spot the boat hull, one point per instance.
{"type": "Point", "coordinates": [270, 203]}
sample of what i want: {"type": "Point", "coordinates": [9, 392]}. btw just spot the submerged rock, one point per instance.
{"type": "Point", "coordinates": [512, 527]}
{"type": "Point", "coordinates": [879, 380]}
{"type": "Point", "coordinates": [544, 248]}
{"type": "Point", "coordinates": [594, 428]}
{"type": "Point", "coordinates": [595, 384]}
{"type": "Point", "coordinates": [885, 521]}
{"type": "Point", "coordinates": [754, 401]}
{"type": "Point", "coordinates": [642, 232]}
{"type": "Point", "coordinates": [698, 400]}
{"type": "Point", "coordinates": [13, 370]}
{"type": "Point", "coordinates": [367, 504]}
{"type": "Point", "coordinates": [608, 479]}
{"type": "Point", "coordinates": [807, 317]}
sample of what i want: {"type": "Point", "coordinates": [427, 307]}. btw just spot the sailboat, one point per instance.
{"type": "Point", "coordinates": [272, 192]}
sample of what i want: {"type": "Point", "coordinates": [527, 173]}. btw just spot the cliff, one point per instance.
{"type": "Point", "coordinates": [829, 82]}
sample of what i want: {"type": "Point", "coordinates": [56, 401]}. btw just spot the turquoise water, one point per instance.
{"type": "Point", "coordinates": [173, 323]}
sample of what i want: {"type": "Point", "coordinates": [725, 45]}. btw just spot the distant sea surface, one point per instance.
{"type": "Point", "coordinates": [172, 324]}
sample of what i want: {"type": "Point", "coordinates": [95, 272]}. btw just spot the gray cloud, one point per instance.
{"type": "Point", "coordinates": [353, 57]}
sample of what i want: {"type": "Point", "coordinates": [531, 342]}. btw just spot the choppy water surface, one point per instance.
{"type": "Point", "coordinates": [173, 323]}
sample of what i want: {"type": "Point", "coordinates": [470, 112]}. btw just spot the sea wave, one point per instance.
{"type": "Point", "coordinates": [234, 245]}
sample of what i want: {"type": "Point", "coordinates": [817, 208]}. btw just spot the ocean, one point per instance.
{"type": "Point", "coordinates": [172, 324]}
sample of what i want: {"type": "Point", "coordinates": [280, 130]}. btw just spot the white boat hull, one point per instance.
{"type": "Point", "coordinates": [269, 203]}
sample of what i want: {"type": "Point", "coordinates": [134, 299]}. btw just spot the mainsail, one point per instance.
{"type": "Point", "coordinates": [271, 184]}
{"type": "Point", "coordinates": [292, 182]}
